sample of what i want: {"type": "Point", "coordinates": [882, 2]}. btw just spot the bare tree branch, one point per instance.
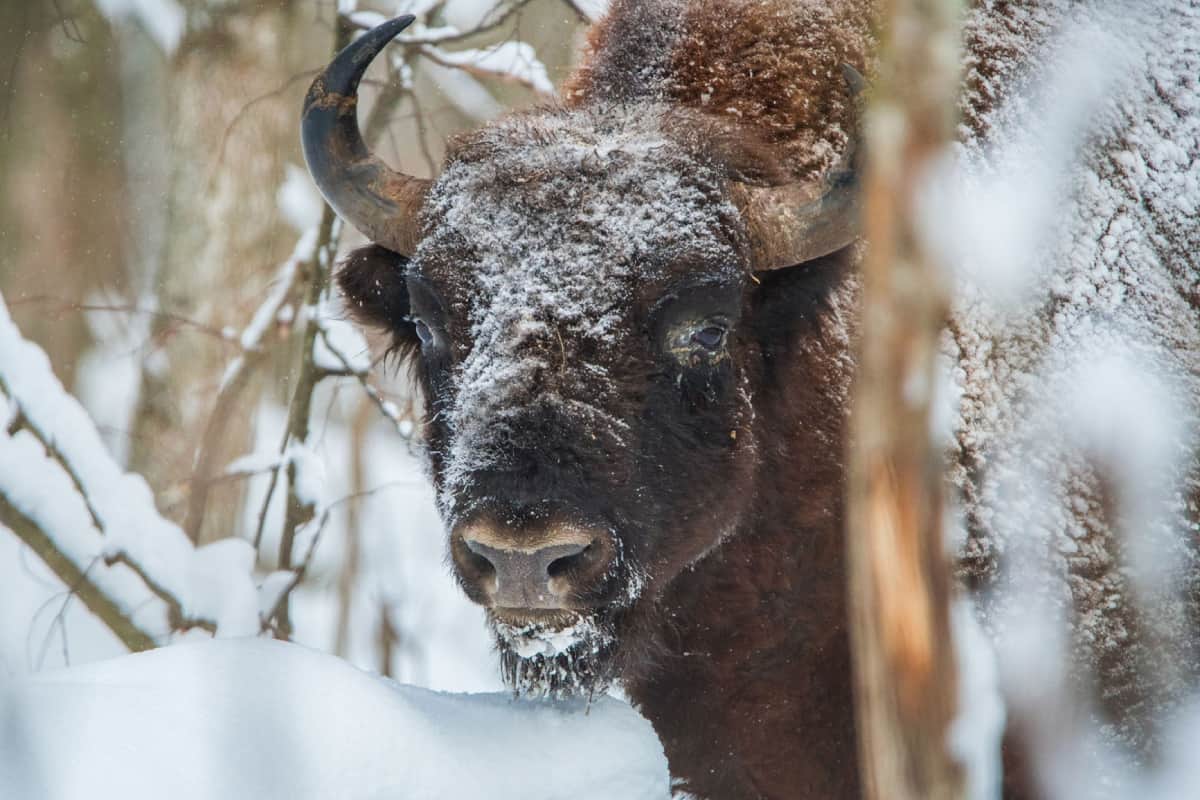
{"type": "Point", "coordinates": [299, 510]}
{"type": "Point", "coordinates": [586, 9]}
{"type": "Point", "coordinates": [449, 35]}
{"type": "Point", "coordinates": [23, 423]}
{"type": "Point", "coordinates": [236, 378]}
{"type": "Point", "coordinates": [386, 408]}
{"type": "Point", "coordinates": [78, 583]}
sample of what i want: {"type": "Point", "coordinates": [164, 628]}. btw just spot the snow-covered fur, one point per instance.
{"type": "Point", "coordinates": [1076, 349]}
{"type": "Point", "coordinates": [573, 255]}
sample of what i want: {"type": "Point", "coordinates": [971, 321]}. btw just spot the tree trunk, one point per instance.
{"type": "Point", "coordinates": [899, 579]}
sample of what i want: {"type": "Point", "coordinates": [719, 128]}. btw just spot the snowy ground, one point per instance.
{"type": "Point", "coordinates": [259, 719]}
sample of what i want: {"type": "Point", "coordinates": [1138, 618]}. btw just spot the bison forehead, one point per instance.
{"type": "Point", "coordinates": [551, 228]}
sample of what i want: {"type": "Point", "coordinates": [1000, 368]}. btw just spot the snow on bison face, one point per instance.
{"type": "Point", "coordinates": [575, 307]}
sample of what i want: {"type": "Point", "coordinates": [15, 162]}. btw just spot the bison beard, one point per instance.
{"type": "Point", "coordinates": [559, 658]}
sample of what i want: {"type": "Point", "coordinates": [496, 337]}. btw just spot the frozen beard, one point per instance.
{"type": "Point", "coordinates": [557, 658]}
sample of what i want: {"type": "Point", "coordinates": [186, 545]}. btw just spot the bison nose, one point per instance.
{"type": "Point", "coordinates": [549, 572]}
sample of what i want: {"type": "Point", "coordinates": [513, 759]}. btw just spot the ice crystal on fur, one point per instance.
{"type": "Point", "coordinates": [556, 660]}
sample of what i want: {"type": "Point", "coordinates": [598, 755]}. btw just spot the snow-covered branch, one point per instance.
{"type": "Point", "coordinates": [422, 34]}
{"type": "Point", "coordinates": [119, 620]}
{"type": "Point", "coordinates": [589, 10]}
{"type": "Point", "coordinates": [511, 60]}
{"type": "Point", "coordinates": [95, 525]}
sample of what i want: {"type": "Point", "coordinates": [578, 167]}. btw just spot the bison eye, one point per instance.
{"type": "Point", "coordinates": [423, 332]}
{"type": "Point", "coordinates": [710, 337]}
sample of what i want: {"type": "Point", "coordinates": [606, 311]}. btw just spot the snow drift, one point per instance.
{"type": "Point", "coordinates": [260, 719]}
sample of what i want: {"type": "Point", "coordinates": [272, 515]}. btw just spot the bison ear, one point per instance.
{"type": "Point", "coordinates": [373, 282]}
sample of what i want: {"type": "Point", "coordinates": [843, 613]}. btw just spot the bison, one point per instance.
{"type": "Point", "coordinates": [633, 314]}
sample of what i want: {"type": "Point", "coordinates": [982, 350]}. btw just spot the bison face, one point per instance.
{"type": "Point", "coordinates": [579, 300]}
{"type": "Point", "coordinates": [576, 307]}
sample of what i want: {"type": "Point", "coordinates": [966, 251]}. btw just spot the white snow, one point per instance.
{"type": "Point", "coordinates": [591, 9]}
{"type": "Point", "coordinates": [534, 640]}
{"type": "Point", "coordinates": [107, 379]}
{"type": "Point", "coordinates": [298, 199]}
{"type": "Point", "coordinates": [509, 60]}
{"type": "Point", "coordinates": [469, 14]}
{"type": "Point", "coordinates": [441, 639]}
{"type": "Point", "coordinates": [309, 471]}
{"type": "Point", "coordinates": [978, 727]}
{"type": "Point", "coordinates": [251, 463]}
{"type": "Point", "coordinates": [259, 720]}
{"type": "Point", "coordinates": [340, 346]}
{"type": "Point", "coordinates": [80, 497]}
{"type": "Point", "coordinates": [465, 92]}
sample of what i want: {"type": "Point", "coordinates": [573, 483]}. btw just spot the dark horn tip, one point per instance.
{"type": "Point", "coordinates": [346, 70]}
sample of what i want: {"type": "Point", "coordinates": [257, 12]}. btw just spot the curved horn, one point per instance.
{"type": "Point", "coordinates": [363, 190]}
{"type": "Point", "coordinates": [787, 225]}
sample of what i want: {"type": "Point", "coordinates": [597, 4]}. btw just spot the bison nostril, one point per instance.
{"type": "Point", "coordinates": [479, 561]}
{"type": "Point", "coordinates": [563, 564]}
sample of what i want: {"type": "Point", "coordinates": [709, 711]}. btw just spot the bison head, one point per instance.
{"type": "Point", "coordinates": [577, 290]}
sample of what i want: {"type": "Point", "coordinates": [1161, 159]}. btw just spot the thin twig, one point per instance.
{"type": "Point", "coordinates": [177, 619]}
{"type": "Point", "coordinates": [438, 57]}
{"type": "Point", "coordinates": [52, 452]}
{"type": "Point", "coordinates": [63, 305]}
{"type": "Point", "coordinates": [237, 377]}
{"type": "Point", "coordinates": [96, 601]}
{"type": "Point", "coordinates": [266, 503]}
{"type": "Point", "coordinates": [386, 408]}
{"type": "Point", "coordinates": [244, 110]}
{"type": "Point", "coordinates": [69, 26]}
{"type": "Point", "coordinates": [274, 619]}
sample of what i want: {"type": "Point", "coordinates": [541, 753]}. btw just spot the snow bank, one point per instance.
{"type": "Point", "coordinates": [260, 719]}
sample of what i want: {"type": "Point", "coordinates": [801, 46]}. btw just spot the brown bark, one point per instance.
{"type": "Point", "coordinates": [899, 579]}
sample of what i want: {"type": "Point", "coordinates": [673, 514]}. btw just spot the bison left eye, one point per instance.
{"type": "Point", "coordinates": [710, 337]}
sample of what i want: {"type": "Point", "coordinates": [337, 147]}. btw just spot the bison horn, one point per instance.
{"type": "Point", "coordinates": [363, 190]}
{"type": "Point", "coordinates": [791, 224]}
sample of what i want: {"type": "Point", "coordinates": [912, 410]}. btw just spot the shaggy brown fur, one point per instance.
{"type": "Point", "coordinates": [769, 67]}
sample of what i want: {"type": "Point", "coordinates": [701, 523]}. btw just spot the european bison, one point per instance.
{"type": "Point", "coordinates": [633, 318]}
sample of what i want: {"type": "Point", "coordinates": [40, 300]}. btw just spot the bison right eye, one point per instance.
{"type": "Point", "coordinates": [423, 332]}
{"type": "Point", "coordinates": [710, 338]}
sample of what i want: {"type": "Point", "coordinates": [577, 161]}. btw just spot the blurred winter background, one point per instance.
{"type": "Point", "coordinates": [161, 241]}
